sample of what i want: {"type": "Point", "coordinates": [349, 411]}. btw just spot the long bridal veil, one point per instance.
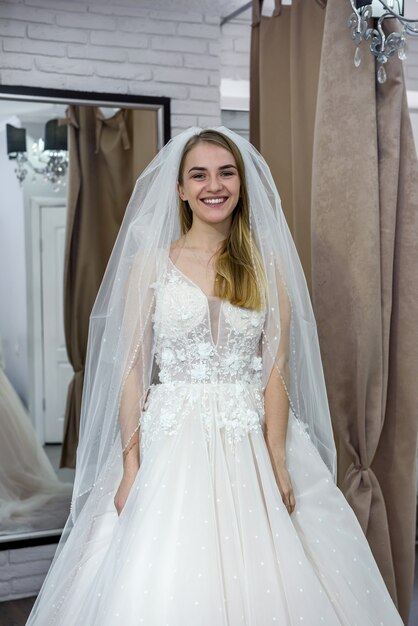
{"type": "Point", "coordinates": [120, 354]}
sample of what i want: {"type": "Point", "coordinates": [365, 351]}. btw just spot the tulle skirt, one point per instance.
{"type": "Point", "coordinates": [31, 496]}
{"type": "Point", "coordinates": [204, 538]}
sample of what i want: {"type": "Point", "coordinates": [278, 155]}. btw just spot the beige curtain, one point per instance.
{"type": "Point", "coordinates": [285, 55]}
{"type": "Point", "coordinates": [359, 220]}
{"type": "Point", "coordinates": [365, 259]}
{"type": "Point", "coordinates": [106, 157]}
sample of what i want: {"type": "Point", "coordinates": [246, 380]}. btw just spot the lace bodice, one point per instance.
{"type": "Point", "coordinates": [209, 356]}
{"type": "Point", "coordinates": [199, 339]}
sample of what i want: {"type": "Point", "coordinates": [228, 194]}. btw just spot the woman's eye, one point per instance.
{"type": "Point", "coordinates": [227, 173]}
{"type": "Point", "coordinates": [198, 176]}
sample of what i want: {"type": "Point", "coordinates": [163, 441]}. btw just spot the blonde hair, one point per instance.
{"type": "Point", "coordinates": [235, 271]}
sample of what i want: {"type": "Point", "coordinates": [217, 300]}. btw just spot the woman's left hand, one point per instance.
{"type": "Point", "coordinates": [285, 485]}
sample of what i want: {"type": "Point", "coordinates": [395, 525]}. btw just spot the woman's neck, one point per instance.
{"type": "Point", "coordinates": [205, 239]}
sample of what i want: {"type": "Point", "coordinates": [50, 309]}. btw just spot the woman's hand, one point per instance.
{"type": "Point", "coordinates": [278, 461]}
{"type": "Point", "coordinates": [130, 470]}
{"type": "Point", "coordinates": [285, 486]}
{"type": "Point", "coordinates": [124, 488]}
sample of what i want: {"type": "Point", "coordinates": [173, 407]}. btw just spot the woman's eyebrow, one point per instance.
{"type": "Point", "coordinates": [199, 169]}
{"type": "Point", "coordinates": [203, 169]}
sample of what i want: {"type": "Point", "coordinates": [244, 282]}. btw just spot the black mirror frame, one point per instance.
{"type": "Point", "coordinates": [66, 96]}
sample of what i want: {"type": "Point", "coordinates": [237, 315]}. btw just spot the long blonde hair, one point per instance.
{"type": "Point", "coordinates": [237, 277]}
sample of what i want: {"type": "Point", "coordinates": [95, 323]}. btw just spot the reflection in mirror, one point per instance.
{"type": "Point", "coordinates": [61, 207]}
{"type": "Point", "coordinates": [33, 498]}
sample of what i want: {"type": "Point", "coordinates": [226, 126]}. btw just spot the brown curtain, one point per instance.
{"type": "Point", "coordinates": [360, 219]}
{"type": "Point", "coordinates": [106, 157]}
{"type": "Point", "coordinates": [285, 56]}
{"type": "Point", "coordinates": [365, 259]}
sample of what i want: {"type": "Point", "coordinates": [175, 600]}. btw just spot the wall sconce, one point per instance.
{"type": "Point", "coordinates": [51, 153]}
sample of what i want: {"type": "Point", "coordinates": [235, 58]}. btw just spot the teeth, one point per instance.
{"type": "Point", "coordinates": [213, 200]}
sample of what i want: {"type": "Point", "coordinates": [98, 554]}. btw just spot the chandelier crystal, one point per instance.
{"type": "Point", "coordinates": [48, 159]}
{"type": "Point", "coordinates": [383, 47]}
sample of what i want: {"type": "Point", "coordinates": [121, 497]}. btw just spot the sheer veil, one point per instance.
{"type": "Point", "coordinates": [120, 354]}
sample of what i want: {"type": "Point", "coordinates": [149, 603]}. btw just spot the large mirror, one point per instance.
{"type": "Point", "coordinates": [68, 163]}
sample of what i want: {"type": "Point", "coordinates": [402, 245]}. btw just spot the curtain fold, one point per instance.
{"type": "Point", "coordinates": [364, 260]}
{"type": "Point", "coordinates": [341, 150]}
{"type": "Point", "coordinates": [285, 56]}
{"type": "Point", "coordinates": [106, 154]}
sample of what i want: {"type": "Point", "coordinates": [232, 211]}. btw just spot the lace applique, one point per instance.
{"type": "Point", "coordinates": [302, 427]}
{"type": "Point", "coordinates": [177, 308]}
{"type": "Point", "coordinates": [239, 414]}
{"type": "Point", "coordinates": [188, 359]}
{"type": "Point", "coordinates": [184, 347]}
{"type": "Point", "coordinates": [243, 320]}
{"type": "Point", "coordinates": [236, 408]}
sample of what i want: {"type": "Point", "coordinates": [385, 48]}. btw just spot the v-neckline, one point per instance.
{"type": "Point", "coordinates": [193, 283]}
{"type": "Point", "coordinates": [207, 298]}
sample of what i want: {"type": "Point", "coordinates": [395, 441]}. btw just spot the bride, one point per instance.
{"type": "Point", "coordinates": [205, 484]}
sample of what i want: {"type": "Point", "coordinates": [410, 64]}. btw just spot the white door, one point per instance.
{"type": "Point", "coordinates": [57, 371]}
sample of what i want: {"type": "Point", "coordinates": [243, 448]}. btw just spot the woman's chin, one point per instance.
{"type": "Point", "coordinates": [213, 215]}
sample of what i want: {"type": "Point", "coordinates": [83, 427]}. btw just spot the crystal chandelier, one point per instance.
{"type": "Point", "coordinates": [48, 158]}
{"type": "Point", "coordinates": [384, 47]}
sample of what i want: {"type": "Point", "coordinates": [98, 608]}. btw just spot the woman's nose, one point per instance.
{"type": "Point", "coordinates": [214, 184]}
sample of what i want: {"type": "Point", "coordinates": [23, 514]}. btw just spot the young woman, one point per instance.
{"type": "Point", "coordinates": [205, 489]}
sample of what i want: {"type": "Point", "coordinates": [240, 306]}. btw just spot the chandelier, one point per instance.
{"type": "Point", "coordinates": [47, 157]}
{"type": "Point", "coordinates": [384, 47]}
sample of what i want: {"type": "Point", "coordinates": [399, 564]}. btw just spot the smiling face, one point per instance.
{"type": "Point", "coordinates": [210, 182]}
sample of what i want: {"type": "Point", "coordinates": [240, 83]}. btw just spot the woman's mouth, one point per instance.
{"type": "Point", "coordinates": [219, 201]}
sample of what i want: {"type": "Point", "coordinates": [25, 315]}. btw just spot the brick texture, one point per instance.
{"type": "Point", "coordinates": [143, 48]}
{"type": "Point", "coordinates": [22, 571]}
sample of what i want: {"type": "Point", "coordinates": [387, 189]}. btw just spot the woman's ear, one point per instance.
{"type": "Point", "coordinates": [180, 191]}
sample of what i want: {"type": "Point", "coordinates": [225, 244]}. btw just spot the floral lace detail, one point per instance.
{"type": "Point", "coordinates": [220, 382]}
{"type": "Point", "coordinates": [234, 407]}
{"type": "Point", "coordinates": [302, 427]}
{"type": "Point", "coordinates": [185, 350]}
{"type": "Point", "coordinates": [240, 414]}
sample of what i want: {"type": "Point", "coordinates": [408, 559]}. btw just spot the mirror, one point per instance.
{"type": "Point", "coordinates": [58, 154]}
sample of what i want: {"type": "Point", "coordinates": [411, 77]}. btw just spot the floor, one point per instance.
{"type": "Point", "coordinates": [16, 612]}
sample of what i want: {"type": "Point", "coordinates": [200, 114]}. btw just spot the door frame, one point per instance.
{"type": "Point", "coordinates": [36, 372]}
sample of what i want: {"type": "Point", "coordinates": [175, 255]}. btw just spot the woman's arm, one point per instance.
{"type": "Point", "coordinates": [138, 330]}
{"type": "Point", "coordinates": [129, 404]}
{"type": "Point", "coordinates": [129, 414]}
{"type": "Point", "coordinates": [276, 403]}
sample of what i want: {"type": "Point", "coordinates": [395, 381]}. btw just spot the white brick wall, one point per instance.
{"type": "Point", "coordinates": [235, 48]}
{"type": "Point", "coordinates": [171, 48]}
{"type": "Point", "coordinates": [132, 47]}
{"type": "Point", "coordinates": [411, 65]}
{"type": "Point", "coordinates": [22, 571]}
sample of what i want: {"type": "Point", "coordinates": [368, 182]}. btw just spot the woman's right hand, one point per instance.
{"type": "Point", "coordinates": [124, 488]}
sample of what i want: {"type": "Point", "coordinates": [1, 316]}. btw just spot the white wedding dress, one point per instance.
{"type": "Point", "coordinates": [32, 498]}
{"type": "Point", "coordinates": [204, 538]}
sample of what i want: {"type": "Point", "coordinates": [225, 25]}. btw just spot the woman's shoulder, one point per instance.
{"type": "Point", "coordinates": [156, 257]}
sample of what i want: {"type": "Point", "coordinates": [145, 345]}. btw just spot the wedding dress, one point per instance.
{"type": "Point", "coordinates": [204, 538]}
{"type": "Point", "coordinates": [32, 498]}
